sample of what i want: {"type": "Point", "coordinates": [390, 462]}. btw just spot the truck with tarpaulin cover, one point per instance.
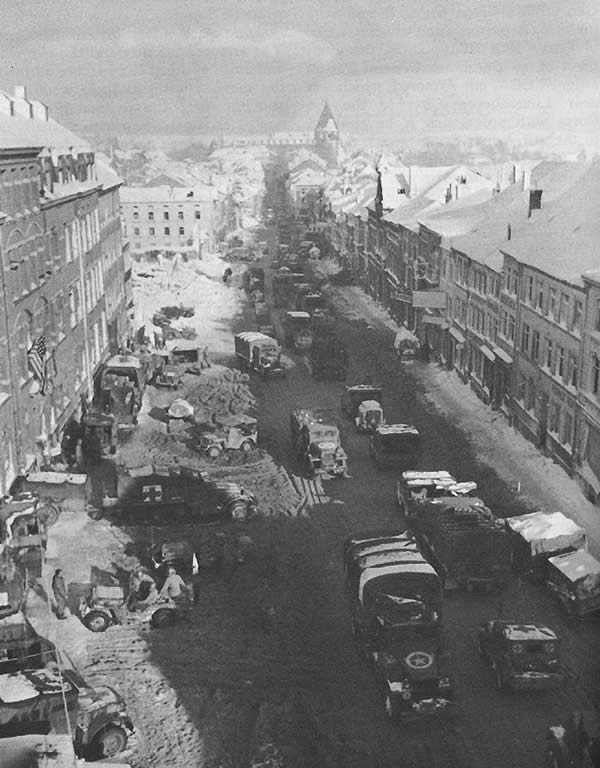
{"type": "Point", "coordinates": [406, 345]}
{"type": "Point", "coordinates": [395, 445]}
{"type": "Point", "coordinates": [297, 330]}
{"type": "Point", "coordinates": [416, 487]}
{"type": "Point", "coordinates": [396, 607]}
{"type": "Point", "coordinates": [574, 579]}
{"type": "Point", "coordinates": [468, 545]}
{"type": "Point", "coordinates": [354, 395]}
{"type": "Point", "coordinates": [538, 535]}
{"type": "Point", "coordinates": [259, 353]}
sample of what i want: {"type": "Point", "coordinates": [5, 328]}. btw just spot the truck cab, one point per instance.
{"type": "Point", "coordinates": [323, 453]}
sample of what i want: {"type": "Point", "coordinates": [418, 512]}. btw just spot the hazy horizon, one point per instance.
{"type": "Point", "coordinates": [391, 70]}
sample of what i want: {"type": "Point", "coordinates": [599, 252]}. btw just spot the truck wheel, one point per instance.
{"type": "Point", "coordinates": [238, 510]}
{"type": "Point", "coordinates": [213, 452]}
{"type": "Point", "coordinates": [48, 513]}
{"type": "Point", "coordinates": [163, 617]}
{"type": "Point", "coordinates": [96, 621]}
{"type": "Point", "coordinates": [109, 742]}
{"type": "Point", "coordinates": [247, 446]}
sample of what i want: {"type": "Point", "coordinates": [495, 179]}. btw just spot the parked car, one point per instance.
{"type": "Point", "coordinates": [231, 433]}
{"type": "Point", "coordinates": [521, 655]}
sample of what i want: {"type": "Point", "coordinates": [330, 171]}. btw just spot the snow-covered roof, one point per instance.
{"type": "Point", "coordinates": [576, 565]}
{"type": "Point", "coordinates": [133, 194]}
{"type": "Point", "coordinates": [561, 239]}
{"type": "Point", "coordinates": [485, 226]}
{"type": "Point", "coordinates": [397, 429]}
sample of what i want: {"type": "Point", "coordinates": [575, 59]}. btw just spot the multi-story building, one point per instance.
{"type": "Point", "coordinates": [587, 466]}
{"type": "Point", "coordinates": [175, 219]}
{"type": "Point", "coordinates": [54, 332]}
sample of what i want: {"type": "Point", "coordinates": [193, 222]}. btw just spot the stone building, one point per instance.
{"type": "Point", "coordinates": [56, 275]}
{"type": "Point", "coordinates": [175, 219]}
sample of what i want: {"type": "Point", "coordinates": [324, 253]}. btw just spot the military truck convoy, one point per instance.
{"type": "Point", "coordinates": [258, 353]}
{"type": "Point", "coordinates": [316, 440]}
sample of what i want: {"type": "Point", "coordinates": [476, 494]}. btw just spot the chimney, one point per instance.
{"type": "Point", "coordinates": [20, 92]}
{"type": "Point", "coordinates": [40, 111]}
{"type": "Point", "coordinates": [21, 105]}
{"type": "Point", "coordinates": [508, 232]}
{"type": "Point", "coordinates": [535, 200]}
{"type": "Point", "coordinates": [526, 180]}
{"type": "Point", "coordinates": [7, 106]}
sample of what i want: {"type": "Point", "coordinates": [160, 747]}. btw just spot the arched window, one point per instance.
{"type": "Point", "coordinates": [23, 340]}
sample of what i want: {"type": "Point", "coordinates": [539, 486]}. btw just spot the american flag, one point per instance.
{"type": "Point", "coordinates": [36, 357]}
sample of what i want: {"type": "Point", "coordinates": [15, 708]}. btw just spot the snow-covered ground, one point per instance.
{"type": "Point", "coordinates": [197, 284]}
{"type": "Point", "coordinates": [541, 482]}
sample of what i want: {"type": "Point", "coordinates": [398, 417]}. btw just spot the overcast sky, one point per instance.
{"type": "Point", "coordinates": [389, 68]}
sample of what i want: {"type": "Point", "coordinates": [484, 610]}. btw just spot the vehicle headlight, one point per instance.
{"type": "Point", "coordinates": [444, 682]}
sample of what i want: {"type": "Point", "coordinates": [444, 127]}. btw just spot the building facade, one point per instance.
{"type": "Point", "coordinates": [54, 332]}
{"type": "Point", "coordinates": [169, 219]}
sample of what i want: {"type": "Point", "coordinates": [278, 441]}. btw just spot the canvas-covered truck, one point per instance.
{"type": "Point", "coordinates": [406, 345]}
{"type": "Point", "coordinates": [396, 608]}
{"type": "Point", "coordinates": [297, 330]}
{"type": "Point", "coordinates": [468, 545]}
{"type": "Point", "coordinates": [284, 287]}
{"type": "Point", "coordinates": [416, 487]}
{"type": "Point", "coordinates": [540, 535]}
{"type": "Point", "coordinates": [395, 445]}
{"type": "Point", "coordinates": [259, 353]}
{"type": "Point", "coordinates": [318, 444]}
{"type": "Point", "coordinates": [311, 301]}
{"type": "Point", "coordinates": [328, 358]}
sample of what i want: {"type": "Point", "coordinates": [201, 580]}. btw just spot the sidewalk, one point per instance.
{"type": "Point", "coordinates": [542, 483]}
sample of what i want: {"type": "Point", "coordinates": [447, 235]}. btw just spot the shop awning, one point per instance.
{"type": "Point", "coordinates": [457, 335]}
{"type": "Point", "coordinates": [487, 352]}
{"type": "Point", "coordinates": [391, 277]}
{"type": "Point", "coordinates": [504, 356]}
{"type": "Point", "coordinates": [590, 477]}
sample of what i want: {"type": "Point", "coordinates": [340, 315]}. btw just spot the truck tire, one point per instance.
{"type": "Point", "coordinates": [163, 617]}
{"type": "Point", "coordinates": [48, 513]}
{"type": "Point", "coordinates": [213, 452]}
{"type": "Point", "coordinates": [247, 446]}
{"type": "Point", "coordinates": [96, 621]}
{"type": "Point", "coordinates": [109, 742]}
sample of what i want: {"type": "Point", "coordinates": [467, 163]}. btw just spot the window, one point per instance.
{"type": "Point", "coordinates": [180, 215]}
{"type": "Point", "coordinates": [573, 369]}
{"type": "Point", "coordinates": [167, 231]}
{"type": "Point", "coordinates": [525, 338]}
{"type": "Point", "coordinates": [505, 324]}
{"type": "Point", "coordinates": [595, 383]}
{"type": "Point", "coordinates": [522, 388]}
{"type": "Point", "coordinates": [197, 214]}
{"type": "Point", "coordinates": [515, 282]}
{"type": "Point", "coordinates": [535, 349]}
{"type": "Point", "coordinates": [549, 355]}
{"type": "Point", "coordinates": [552, 303]}
{"type": "Point", "coordinates": [150, 215]}
{"type": "Point", "coordinates": [166, 215]}
{"type": "Point", "coordinates": [136, 230]}
{"type": "Point", "coordinates": [567, 431]}
{"type": "Point", "coordinates": [530, 289]}
{"type": "Point", "coordinates": [152, 231]}
{"type": "Point", "coordinates": [511, 328]}
{"type": "Point", "coordinates": [597, 318]}
{"type": "Point", "coordinates": [563, 311]}
{"type": "Point", "coordinates": [577, 314]}
{"type": "Point", "coordinates": [540, 299]}
{"type": "Point", "coordinates": [182, 230]}
{"type": "Point", "coordinates": [531, 396]}
{"type": "Point", "coordinates": [554, 420]}
{"type": "Point", "coordinates": [136, 215]}
{"type": "Point", "coordinates": [561, 362]}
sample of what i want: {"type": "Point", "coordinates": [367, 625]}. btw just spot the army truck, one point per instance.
{"type": "Point", "coordinates": [328, 358]}
{"type": "Point", "coordinates": [396, 609]}
{"type": "Point", "coordinates": [318, 444]}
{"type": "Point", "coordinates": [122, 384]}
{"type": "Point", "coordinates": [259, 353]}
{"type": "Point", "coordinates": [395, 445]}
{"type": "Point", "coordinates": [469, 546]}
{"type": "Point", "coordinates": [354, 395]}
{"type": "Point", "coordinates": [310, 300]}
{"type": "Point", "coordinates": [297, 330]}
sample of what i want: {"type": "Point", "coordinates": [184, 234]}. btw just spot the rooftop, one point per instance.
{"type": "Point", "coordinates": [166, 194]}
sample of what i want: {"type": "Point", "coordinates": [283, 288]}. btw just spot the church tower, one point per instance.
{"type": "Point", "coordinates": [327, 137]}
